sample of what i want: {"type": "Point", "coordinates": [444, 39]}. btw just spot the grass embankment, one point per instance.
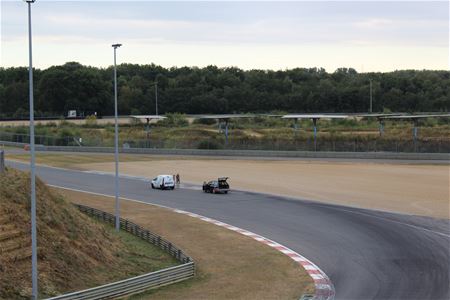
{"type": "Point", "coordinates": [228, 265]}
{"type": "Point", "coordinates": [74, 251]}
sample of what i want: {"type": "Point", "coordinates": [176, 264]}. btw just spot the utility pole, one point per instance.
{"type": "Point", "coordinates": [34, 272]}
{"type": "Point", "coordinates": [116, 142]}
{"type": "Point", "coordinates": [370, 108]}
{"type": "Point", "coordinates": [156, 97]}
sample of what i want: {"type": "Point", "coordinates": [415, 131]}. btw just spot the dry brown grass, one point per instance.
{"type": "Point", "coordinates": [229, 265]}
{"type": "Point", "coordinates": [64, 160]}
{"type": "Point", "coordinates": [72, 160]}
{"type": "Point", "coordinates": [74, 252]}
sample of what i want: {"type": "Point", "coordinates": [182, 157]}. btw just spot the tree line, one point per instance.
{"type": "Point", "coordinates": [214, 90]}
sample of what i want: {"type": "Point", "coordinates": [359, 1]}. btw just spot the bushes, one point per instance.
{"type": "Point", "coordinates": [91, 121]}
{"type": "Point", "coordinates": [209, 144]}
{"type": "Point", "coordinates": [173, 120]}
{"type": "Point", "coordinates": [205, 121]}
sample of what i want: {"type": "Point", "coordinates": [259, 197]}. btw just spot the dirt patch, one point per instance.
{"type": "Point", "coordinates": [229, 265]}
{"type": "Point", "coordinates": [412, 189]}
{"type": "Point", "coordinates": [72, 161]}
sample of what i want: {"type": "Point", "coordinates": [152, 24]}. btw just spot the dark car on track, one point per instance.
{"type": "Point", "coordinates": [219, 186]}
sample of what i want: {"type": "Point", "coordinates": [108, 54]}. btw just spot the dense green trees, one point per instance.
{"type": "Point", "coordinates": [219, 90]}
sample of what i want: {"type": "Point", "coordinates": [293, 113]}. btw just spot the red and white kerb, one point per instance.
{"type": "Point", "coordinates": [324, 287]}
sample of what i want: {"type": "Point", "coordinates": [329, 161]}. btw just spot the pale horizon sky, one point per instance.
{"type": "Point", "coordinates": [367, 36]}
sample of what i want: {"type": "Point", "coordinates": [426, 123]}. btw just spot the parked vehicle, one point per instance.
{"type": "Point", "coordinates": [163, 182]}
{"type": "Point", "coordinates": [219, 186]}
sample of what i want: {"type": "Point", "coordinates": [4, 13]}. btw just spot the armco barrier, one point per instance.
{"type": "Point", "coordinates": [248, 153]}
{"type": "Point", "coordinates": [139, 283]}
{"type": "Point", "coordinates": [259, 153]}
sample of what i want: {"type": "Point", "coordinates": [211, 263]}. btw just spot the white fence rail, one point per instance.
{"type": "Point", "coordinates": [134, 285]}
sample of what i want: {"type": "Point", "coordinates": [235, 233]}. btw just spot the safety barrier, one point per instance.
{"type": "Point", "coordinates": [139, 283]}
{"type": "Point", "coordinates": [247, 153]}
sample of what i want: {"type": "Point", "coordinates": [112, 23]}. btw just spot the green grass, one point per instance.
{"type": "Point", "coordinates": [141, 253]}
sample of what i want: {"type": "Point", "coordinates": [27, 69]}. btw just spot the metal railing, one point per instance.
{"type": "Point", "coordinates": [355, 144]}
{"type": "Point", "coordinates": [139, 283]}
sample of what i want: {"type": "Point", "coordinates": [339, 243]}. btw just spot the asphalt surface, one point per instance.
{"type": "Point", "coordinates": [367, 254]}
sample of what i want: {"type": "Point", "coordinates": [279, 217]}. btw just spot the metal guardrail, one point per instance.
{"type": "Point", "coordinates": [248, 153]}
{"type": "Point", "coordinates": [139, 283]}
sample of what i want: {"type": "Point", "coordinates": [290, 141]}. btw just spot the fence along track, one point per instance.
{"type": "Point", "coordinates": [139, 283]}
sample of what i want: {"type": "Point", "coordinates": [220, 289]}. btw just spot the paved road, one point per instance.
{"type": "Point", "coordinates": [366, 254]}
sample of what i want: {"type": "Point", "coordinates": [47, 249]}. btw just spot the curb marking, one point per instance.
{"type": "Point", "coordinates": [324, 288]}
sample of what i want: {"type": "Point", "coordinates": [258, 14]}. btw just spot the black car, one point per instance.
{"type": "Point", "coordinates": [219, 186]}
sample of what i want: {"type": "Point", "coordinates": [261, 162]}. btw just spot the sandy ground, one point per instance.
{"type": "Point", "coordinates": [228, 265]}
{"type": "Point", "coordinates": [412, 189]}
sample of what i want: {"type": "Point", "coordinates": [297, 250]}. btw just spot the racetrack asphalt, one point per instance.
{"type": "Point", "coordinates": [367, 254]}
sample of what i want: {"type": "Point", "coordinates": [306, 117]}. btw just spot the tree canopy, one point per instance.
{"type": "Point", "coordinates": [193, 90]}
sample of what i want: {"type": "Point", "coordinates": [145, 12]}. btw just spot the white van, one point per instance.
{"type": "Point", "coordinates": [163, 182]}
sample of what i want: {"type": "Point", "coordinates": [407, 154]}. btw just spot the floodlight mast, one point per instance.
{"type": "Point", "coordinates": [116, 143]}
{"type": "Point", "coordinates": [370, 108]}
{"type": "Point", "coordinates": [156, 97]}
{"type": "Point", "coordinates": [34, 277]}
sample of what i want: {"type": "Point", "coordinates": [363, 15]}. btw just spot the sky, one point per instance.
{"type": "Point", "coordinates": [368, 36]}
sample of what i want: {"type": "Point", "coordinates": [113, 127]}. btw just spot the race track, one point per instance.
{"type": "Point", "coordinates": [367, 254]}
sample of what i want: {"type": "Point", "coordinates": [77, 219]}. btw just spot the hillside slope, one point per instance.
{"type": "Point", "coordinates": [74, 251]}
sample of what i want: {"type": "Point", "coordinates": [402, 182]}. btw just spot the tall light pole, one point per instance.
{"type": "Point", "coordinates": [156, 97]}
{"type": "Point", "coordinates": [370, 108]}
{"type": "Point", "coordinates": [34, 279]}
{"type": "Point", "coordinates": [116, 141]}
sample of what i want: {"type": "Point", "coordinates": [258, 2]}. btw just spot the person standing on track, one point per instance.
{"type": "Point", "coordinates": [178, 178]}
